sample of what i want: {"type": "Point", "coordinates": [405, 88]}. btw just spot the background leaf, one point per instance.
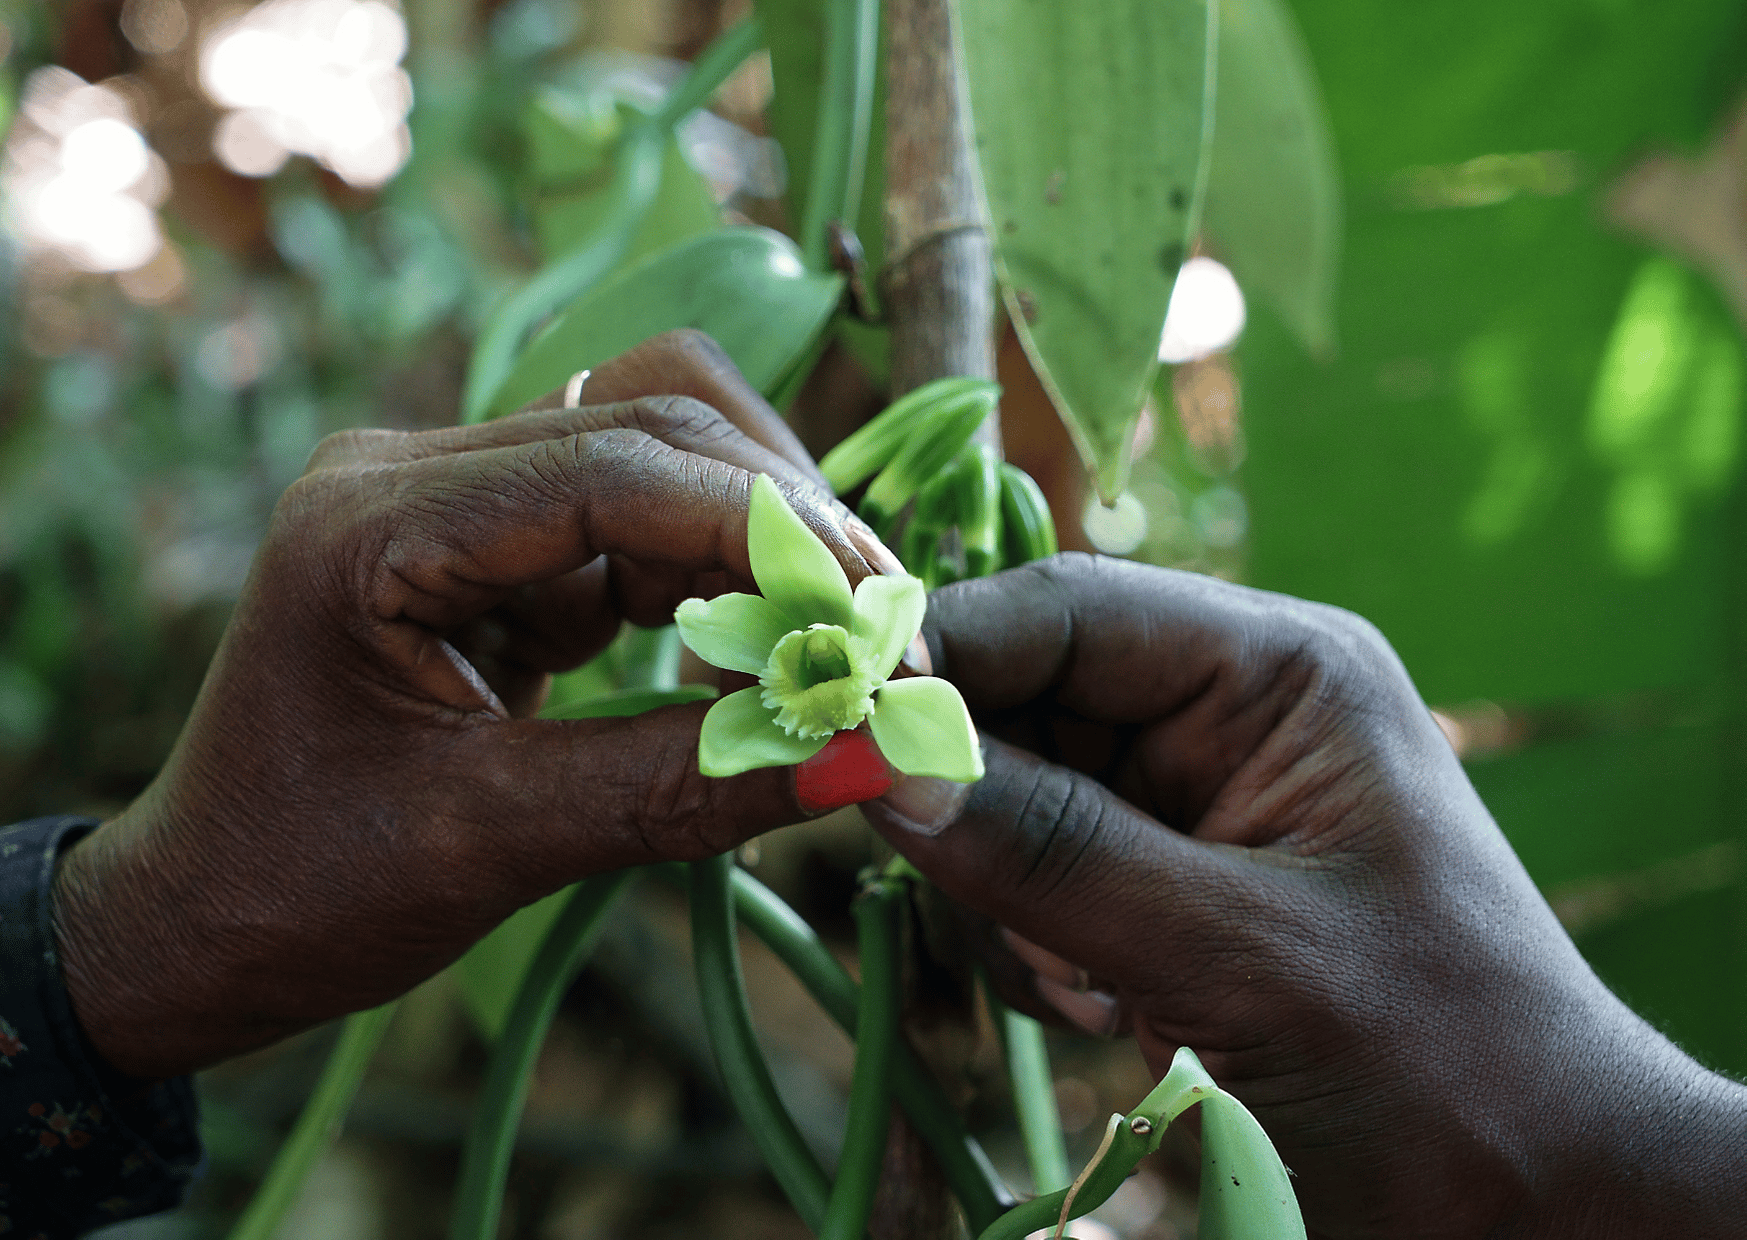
{"type": "Point", "coordinates": [744, 286]}
{"type": "Point", "coordinates": [1093, 165]}
{"type": "Point", "coordinates": [1273, 187]}
{"type": "Point", "coordinates": [1459, 475]}
{"type": "Point", "coordinates": [571, 138]}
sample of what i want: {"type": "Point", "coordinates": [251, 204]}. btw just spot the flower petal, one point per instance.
{"type": "Point", "coordinates": [740, 734]}
{"type": "Point", "coordinates": [888, 613]}
{"type": "Point", "coordinates": [923, 728]}
{"type": "Point", "coordinates": [735, 631]}
{"type": "Point", "coordinates": [793, 568]}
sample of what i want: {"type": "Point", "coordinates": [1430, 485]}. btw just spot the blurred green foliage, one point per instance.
{"type": "Point", "coordinates": [1523, 465]}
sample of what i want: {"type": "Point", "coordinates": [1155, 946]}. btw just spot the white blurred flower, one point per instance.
{"type": "Point", "coordinates": [314, 77]}
{"type": "Point", "coordinates": [77, 178]}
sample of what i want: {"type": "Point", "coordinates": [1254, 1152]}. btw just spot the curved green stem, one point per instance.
{"type": "Point", "coordinates": [636, 180]}
{"type": "Point", "coordinates": [319, 1124]}
{"type": "Point", "coordinates": [967, 1169]}
{"type": "Point", "coordinates": [1125, 1143]}
{"type": "Point", "coordinates": [485, 1161]}
{"type": "Point", "coordinates": [1034, 1098]}
{"type": "Point", "coordinates": [840, 136]}
{"type": "Point", "coordinates": [722, 989]}
{"type": "Point", "coordinates": [877, 915]}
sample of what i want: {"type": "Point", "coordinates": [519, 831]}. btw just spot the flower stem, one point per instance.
{"type": "Point", "coordinates": [319, 1124]}
{"type": "Point", "coordinates": [877, 914]}
{"type": "Point", "coordinates": [485, 1160]}
{"type": "Point", "coordinates": [840, 136]}
{"type": "Point", "coordinates": [967, 1169]}
{"type": "Point", "coordinates": [727, 1016]}
{"type": "Point", "coordinates": [1034, 1098]}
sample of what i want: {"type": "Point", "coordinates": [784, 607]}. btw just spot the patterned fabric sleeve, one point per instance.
{"type": "Point", "coordinates": [80, 1145]}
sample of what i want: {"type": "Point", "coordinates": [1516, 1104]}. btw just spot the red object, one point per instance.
{"type": "Point", "coordinates": [849, 769]}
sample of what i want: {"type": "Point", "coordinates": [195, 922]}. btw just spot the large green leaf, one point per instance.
{"type": "Point", "coordinates": [1091, 127]}
{"type": "Point", "coordinates": [743, 286]}
{"type": "Point", "coordinates": [1273, 189]}
{"type": "Point", "coordinates": [1521, 465]}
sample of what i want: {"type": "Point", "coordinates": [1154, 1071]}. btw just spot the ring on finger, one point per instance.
{"type": "Point", "coordinates": [573, 389]}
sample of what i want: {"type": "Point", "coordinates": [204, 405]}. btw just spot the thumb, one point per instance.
{"type": "Point", "coordinates": [585, 796]}
{"type": "Point", "coordinates": [1069, 865]}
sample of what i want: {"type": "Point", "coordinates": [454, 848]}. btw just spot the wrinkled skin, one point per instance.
{"type": "Point", "coordinates": [358, 795]}
{"type": "Point", "coordinates": [1225, 819]}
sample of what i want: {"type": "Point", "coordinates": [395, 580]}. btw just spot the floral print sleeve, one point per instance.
{"type": "Point", "coordinates": [80, 1145]}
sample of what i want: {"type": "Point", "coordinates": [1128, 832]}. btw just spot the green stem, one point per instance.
{"type": "Point", "coordinates": [722, 989]}
{"type": "Point", "coordinates": [967, 1169]}
{"type": "Point", "coordinates": [636, 180]}
{"type": "Point", "coordinates": [840, 137]}
{"type": "Point", "coordinates": [877, 915]}
{"type": "Point", "coordinates": [485, 1160]}
{"type": "Point", "coordinates": [319, 1124]}
{"type": "Point", "coordinates": [1034, 1099]}
{"type": "Point", "coordinates": [713, 66]}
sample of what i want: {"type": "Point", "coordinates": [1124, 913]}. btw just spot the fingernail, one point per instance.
{"type": "Point", "coordinates": [916, 660]}
{"type": "Point", "coordinates": [849, 769]}
{"type": "Point", "coordinates": [921, 804]}
{"type": "Point", "coordinates": [1096, 1011]}
{"type": "Point", "coordinates": [875, 552]}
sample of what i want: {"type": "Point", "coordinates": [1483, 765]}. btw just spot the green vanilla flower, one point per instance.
{"type": "Point", "coordinates": [822, 656]}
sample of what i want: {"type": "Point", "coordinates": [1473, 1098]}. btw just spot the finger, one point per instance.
{"type": "Point", "coordinates": [682, 421]}
{"type": "Point", "coordinates": [689, 363]}
{"type": "Point", "coordinates": [1044, 962]}
{"type": "Point", "coordinates": [1074, 869]}
{"type": "Point", "coordinates": [439, 541]}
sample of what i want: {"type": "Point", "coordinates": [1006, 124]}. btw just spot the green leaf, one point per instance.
{"type": "Point", "coordinates": [628, 702]}
{"type": "Point", "coordinates": [1273, 190]}
{"type": "Point", "coordinates": [888, 615]}
{"type": "Point", "coordinates": [741, 734]}
{"type": "Point", "coordinates": [922, 727]}
{"type": "Point", "coordinates": [735, 631]}
{"type": "Point", "coordinates": [1244, 1190]}
{"type": "Point", "coordinates": [1091, 129]}
{"type": "Point", "coordinates": [797, 54]}
{"type": "Point", "coordinates": [793, 568]}
{"type": "Point", "coordinates": [745, 287]}
{"type": "Point", "coordinates": [491, 972]}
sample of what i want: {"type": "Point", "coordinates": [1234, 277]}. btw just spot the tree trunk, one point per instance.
{"type": "Point", "coordinates": [938, 292]}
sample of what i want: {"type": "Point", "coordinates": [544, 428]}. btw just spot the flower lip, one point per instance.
{"type": "Point", "coordinates": [816, 684]}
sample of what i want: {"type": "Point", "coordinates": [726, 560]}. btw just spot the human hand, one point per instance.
{"type": "Point", "coordinates": [1225, 818]}
{"type": "Point", "coordinates": [358, 795]}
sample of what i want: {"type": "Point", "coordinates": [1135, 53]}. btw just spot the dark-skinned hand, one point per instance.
{"type": "Point", "coordinates": [358, 795]}
{"type": "Point", "coordinates": [1224, 818]}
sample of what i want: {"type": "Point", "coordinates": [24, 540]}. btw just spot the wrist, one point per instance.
{"type": "Point", "coordinates": [1656, 1146]}
{"type": "Point", "coordinates": [137, 978]}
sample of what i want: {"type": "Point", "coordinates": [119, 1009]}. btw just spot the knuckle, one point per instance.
{"type": "Point", "coordinates": [351, 447]}
{"type": "Point", "coordinates": [689, 347]}
{"type": "Point", "coordinates": [1064, 818]}
{"type": "Point", "coordinates": [678, 417]}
